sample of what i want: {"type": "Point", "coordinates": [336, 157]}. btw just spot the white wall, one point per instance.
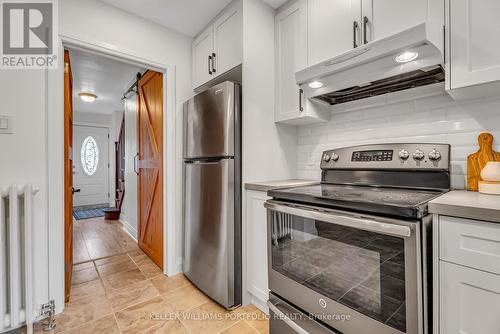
{"type": "Point", "coordinates": [269, 150]}
{"type": "Point", "coordinates": [116, 122]}
{"type": "Point", "coordinates": [128, 214]}
{"type": "Point", "coordinates": [398, 118]}
{"type": "Point", "coordinates": [94, 118]}
{"type": "Point", "coordinates": [23, 156]}
{"type": "Point", "coordinates": [36, 107]}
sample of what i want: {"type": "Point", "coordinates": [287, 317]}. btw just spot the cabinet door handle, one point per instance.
{"type": "Point", "coordinates": [213, 63]}
{"type": "Point", "coordinates": [301, 107]}
{"type": "Point", "coordinates": [365, 23]}
{"type": "Point", "coordinates": [210, 65]}
{"type": "Point", "coordinates": [355, 27]}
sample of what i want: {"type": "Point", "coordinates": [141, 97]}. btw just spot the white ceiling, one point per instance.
{"type": "Point", "coordinates": [106, 78]}
{"type": "Point", "coordinates": [185, 16]}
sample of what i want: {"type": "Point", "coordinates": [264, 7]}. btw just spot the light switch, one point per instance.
{"type": "Point", "coordinates": [6, 124]}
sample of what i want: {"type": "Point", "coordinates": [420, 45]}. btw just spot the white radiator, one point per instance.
{"type": "Point", "coordinates": [16, 226]}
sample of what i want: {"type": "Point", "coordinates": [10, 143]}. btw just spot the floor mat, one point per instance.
{"type": "Point", "coordinates": [89, 211]}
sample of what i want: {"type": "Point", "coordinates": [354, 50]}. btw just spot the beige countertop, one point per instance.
{"type": "Point", "coordinates": [467, 204]}
{"type": "Point", "coordinates": [276, 184]}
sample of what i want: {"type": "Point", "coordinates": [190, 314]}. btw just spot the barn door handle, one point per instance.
{"type": "Point", "coordinates": [135, 164]}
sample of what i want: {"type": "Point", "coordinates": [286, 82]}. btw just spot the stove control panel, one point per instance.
{"type": "Point", "coordinates": [380, 155]}
{"type": "Point", "coordinates": [389, 156]}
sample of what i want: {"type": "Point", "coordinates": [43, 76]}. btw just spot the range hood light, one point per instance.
{"type": "Point", "coordinates": [88, 97]}
{"type": "Point", "coordinates": [316, 84]}
{"type": "Point", "coordinates": [406, 57]}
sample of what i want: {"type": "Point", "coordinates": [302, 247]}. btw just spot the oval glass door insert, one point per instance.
{"type": "Point", "coordinates": [89, 156]}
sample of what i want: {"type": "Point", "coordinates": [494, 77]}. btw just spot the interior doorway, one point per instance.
{"type": "Point", "coordinates": [114, 156]}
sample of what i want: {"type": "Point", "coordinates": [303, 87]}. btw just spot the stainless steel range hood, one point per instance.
{"type": "Point", "coordinates": [372, 69]}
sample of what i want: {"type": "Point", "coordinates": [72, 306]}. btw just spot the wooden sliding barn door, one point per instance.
{"type": "Point", "coordinates": [150, 165]}
{"type": "Point", "coordinates": [68, 175]}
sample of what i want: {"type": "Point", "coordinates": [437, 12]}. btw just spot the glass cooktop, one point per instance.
{"type": "Point", "coordinates": [387, 201]}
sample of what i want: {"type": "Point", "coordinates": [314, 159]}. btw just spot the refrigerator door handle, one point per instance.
{"type": "Point", "coordinates": [205, 162]}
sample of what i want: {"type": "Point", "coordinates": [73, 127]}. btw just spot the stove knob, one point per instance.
{"type": "Point", "coordinates": [335, 157]}
{"type": "Point", "coordinates": [404, 154]}
{"type": "Point", "coordinates": [434, 155]}
{"type": "Point", "coordinates": [418, 155]}
{"type": "Point", "coordinates": [326, 157]}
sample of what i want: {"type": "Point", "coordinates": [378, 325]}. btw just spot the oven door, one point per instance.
{"type": "Point", "coordinates": [355, 273]}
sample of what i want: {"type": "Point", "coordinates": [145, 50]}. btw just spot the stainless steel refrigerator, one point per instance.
{"type": "Point", "coordinates": [212, 193]}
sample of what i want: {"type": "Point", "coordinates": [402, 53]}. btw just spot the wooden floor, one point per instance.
{"type": "Point", "coordinates": [98, 238]}
{"type": "Point", "coordinates": [127, 293]}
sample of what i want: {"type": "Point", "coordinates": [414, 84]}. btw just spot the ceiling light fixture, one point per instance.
{"type": "Point", "coordinates": [316, 84]}
{"type": "Point", "coordinates": [406, 57]}
{"type": "Point", "coordinates": [88, 97]}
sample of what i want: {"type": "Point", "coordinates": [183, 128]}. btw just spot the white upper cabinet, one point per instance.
{"type": "Point", "coordinates": [334, 28]}
{"type": "Point", "coordinates": [291, 55]}
{"type": "Point", "coordinates": [202, 57]}
{"type": "Point", "coordinates": [338, 26]}
{"type": "Point", "coordinates": [474, 29]}
{"type": "Point", "coordinates": [382, 18]}
{"type": "Point", "coordinates": [219, 47]}
{"type": "Point", "coordinates": [228, 40]}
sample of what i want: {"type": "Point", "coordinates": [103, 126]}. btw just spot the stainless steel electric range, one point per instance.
{"type": "Point", "coordinates": [352, 255]}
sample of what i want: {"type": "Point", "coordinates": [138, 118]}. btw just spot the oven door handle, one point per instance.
{"type": "Point", "coordinates": [358, 223]}
{"type": "Point", "coordinates": [283, 317]}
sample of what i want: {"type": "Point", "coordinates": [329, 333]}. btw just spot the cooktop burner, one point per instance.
{"type": "Point", "coordinates": [388, 201]}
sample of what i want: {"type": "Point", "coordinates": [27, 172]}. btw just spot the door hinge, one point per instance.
{"type": "Point", "coordinates": [48, 311]}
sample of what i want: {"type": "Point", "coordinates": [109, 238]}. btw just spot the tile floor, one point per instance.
{"type": "Point", "coordinates": [127, 293]}
{"type": "Point", "coordinates": [97, 238]}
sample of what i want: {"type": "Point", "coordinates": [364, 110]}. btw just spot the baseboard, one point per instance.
{"type": "Point", "coordinates": [259, 298]}
{"type": "Point", "coordinates": [129, 229]}
{"type": "Point", "coordinates": [259, 303]}
{"type": "Point", "coordinates": [177, 269]}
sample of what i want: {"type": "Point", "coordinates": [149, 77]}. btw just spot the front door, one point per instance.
{"type": "Point", "coordinates": [68, 175]}
{"type": "Point", "coordinates": [150, 165]}
{"type": "Point", "coordinates": [91, 165]}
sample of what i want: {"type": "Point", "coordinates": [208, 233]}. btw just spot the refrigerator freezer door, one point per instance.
{"type": "Point", "coordinates": [210, 243]}
{"type": "Point", "coordinates": [209, 122]}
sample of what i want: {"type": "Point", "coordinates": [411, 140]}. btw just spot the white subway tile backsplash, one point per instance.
{"type": "Point", "coordinates": [433, 117]}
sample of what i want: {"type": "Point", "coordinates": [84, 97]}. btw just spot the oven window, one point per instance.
{"type": "Point", "coordinates": [362, 270]}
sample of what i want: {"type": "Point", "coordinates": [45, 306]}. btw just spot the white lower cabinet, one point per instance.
{"type": "Point", "coordinates": [256, 249]}
{"type": "Point", "coordinates": [470, 300]}
{"type": "Point", "coordinates": [466, 277]}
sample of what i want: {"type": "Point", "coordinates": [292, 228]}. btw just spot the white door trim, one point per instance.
{"type": "Point", "coordinates": [55, 163]}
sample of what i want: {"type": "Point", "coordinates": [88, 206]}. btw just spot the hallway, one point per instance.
{"type": "Point", "coordinates": [116, 288]}
{"type": "Point", "coordinates": [98, 238]}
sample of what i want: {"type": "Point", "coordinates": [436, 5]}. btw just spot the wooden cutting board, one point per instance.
{"type": "Point", "coordinates": [477, 161]}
